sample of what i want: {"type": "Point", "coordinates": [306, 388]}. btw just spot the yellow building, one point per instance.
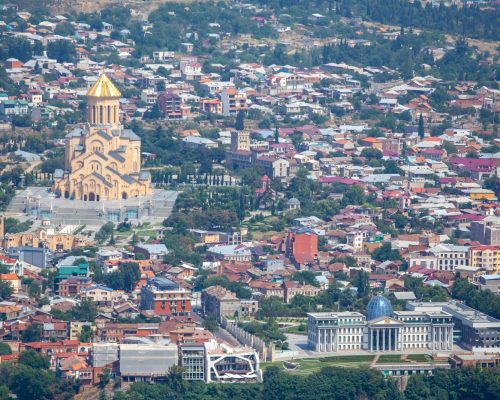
{"type": "Point", "coordinates": [486, 257]}
{"type": "Point", "coordinates": [46, 238]}
{"type": "Point", "coordinates": [481, 194]}
{"type": "Point", "coordinates": [103, 159]}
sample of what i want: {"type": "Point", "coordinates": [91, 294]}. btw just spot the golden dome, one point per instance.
{"type": "Point", "coordinates": [103, 87]}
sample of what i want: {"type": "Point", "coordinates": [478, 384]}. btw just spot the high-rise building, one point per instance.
{"type": "Point", "coordinates": [103, 159]}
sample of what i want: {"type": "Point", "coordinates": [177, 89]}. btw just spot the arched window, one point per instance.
{"type": "Point", "coordinates": [93, 114]}
{"type": "Point", "coordinates": [109, 114]}
{"type": "Point", "coordinates": [101, 116]}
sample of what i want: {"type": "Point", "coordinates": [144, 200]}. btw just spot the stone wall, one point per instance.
{"type": "Point", "coordinates": [266, 352]}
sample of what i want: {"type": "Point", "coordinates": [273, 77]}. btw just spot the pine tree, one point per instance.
{"type": "Point", "coordinates": [240, 121]}
{"type": "Point", "coordinates": [276, 135]}
{"type": "Point", "coordinates": [421, 130]}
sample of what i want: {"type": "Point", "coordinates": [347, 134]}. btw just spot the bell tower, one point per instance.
{"type": "Point", "coordinates": [103, 103]}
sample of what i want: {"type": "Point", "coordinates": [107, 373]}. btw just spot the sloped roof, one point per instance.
{"type": "Point", "coordinates": [103, 88]}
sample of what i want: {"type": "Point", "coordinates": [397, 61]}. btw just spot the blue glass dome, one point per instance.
{"type": "Point", "coordinates": [378, 307]}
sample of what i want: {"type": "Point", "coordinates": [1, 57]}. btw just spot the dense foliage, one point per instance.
{"type": "Point", "coordinates": [482, 300]}
{"type": "Point", "coordinates": [329, 383]}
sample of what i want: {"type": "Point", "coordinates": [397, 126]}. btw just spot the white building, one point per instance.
{"type": "Point", "coordinates": [450, 256]}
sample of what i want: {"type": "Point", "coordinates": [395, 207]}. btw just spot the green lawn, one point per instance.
{"type": "Point", "coordinates": [310, 365]}
{"type": "Point", "coordinates": [295, 330]}
{"type": "Point", "coordinates": [390, 358]}
{"type": "Point", "coordinates": [418, 358]}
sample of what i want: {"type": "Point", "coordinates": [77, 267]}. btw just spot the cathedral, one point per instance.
{"type": "Point", "coordinates": [103, 160]}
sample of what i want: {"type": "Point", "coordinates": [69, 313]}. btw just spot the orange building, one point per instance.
{"type": "Point", "coordinates": [165, 298]}
{"type": "Point", "coordinates": [302, 246]}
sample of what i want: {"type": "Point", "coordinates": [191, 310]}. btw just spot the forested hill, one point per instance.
{"type": "Point", "coordinates": [473, 21]}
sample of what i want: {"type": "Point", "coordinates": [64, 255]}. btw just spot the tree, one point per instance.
{"type": "Point", "coordinates": [211, 324]}
{"type": "Point", "coordinates": [85, 334]}
{"type": "Point", "coordinates": [276, 135]}
{"type": "Point", "coordinates": [6, 290]}
{"type": "Point", "coordinates": [30, 384]}
{"type": "Point", "coordinates": [61, 50]}
{"type": "Point", "coordinates": [421, 129]}
{"type": "Point", "coordinates": [84, 311]}
{"type": "Point", "coordinates": [34, 290]}
{"type": "Point", "coordinates": [5, 349]}
{"type": "Point", "coordinates": [104, 377]}
{"type": "Point", "coordinates": [386, 252]}
{"type": "Point", "coordinates": [240, 121]}
{"type": "Point", "coordinates": [33, 359]}
{"type": "Point", "coordinates": [32, 334]}
{"type": "Point", "coordinates": [362, 283]}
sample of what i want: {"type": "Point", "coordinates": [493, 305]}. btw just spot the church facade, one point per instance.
{"type": "Point", "coordinates": [102, 159]}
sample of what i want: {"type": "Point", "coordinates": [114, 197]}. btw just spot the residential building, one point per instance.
{"type": "Point", "coordinates": [73, 285]}
{"type": "Point", "coordinates": [292, 289]}
{"type": "Point", "coordinates": [13, 280]}
{"type": "Point", "coordinates": [99, 294]}
{"type": "Point", "coordinates": [302, 245]}
{"type": "Point", "coordinates": [220, 302]}
{"type": "Point", "coordinates": [486, 231]}
{"type": "Point", "coordinates": [14, 107]}
{"type": "Point", "coordinates": [170, 105]}
{"type": "Point", "coordinates": [152, 251]}
{"type": "Point", "coordinates": [163, 297]}
{"type": "Point", "coordinates": [449, 256]}
{"type": "Point", "coordinates": [15, 266]}
{"type": "Point", "coordinates": [231, 252]}
{"type": "Point", "coordinates": [485, 257]}
{"type": "Point", "coordinates": [233, 101]}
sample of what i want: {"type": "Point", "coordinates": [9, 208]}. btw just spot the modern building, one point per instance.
{"type": "Point", "coordinates": [103, 160]}
{"type": "Point", "coordinates": [146, 362]}
{"type": "Point", "coordinates": [165, 298]}
{"type": "Point", "coordinates": [473, 329]}
{"type": "Point", "coordinates": [214, 362]}
{"type": "Point", "coordinates": [386, 331]}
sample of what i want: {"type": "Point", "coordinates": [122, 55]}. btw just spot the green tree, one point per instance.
{"type": "Point", "coordinates": [33, 359]}
{"type": "Point", "coordinates": [85, 334]}
{"type": "Point", "coordinates": [386, 252]}
{"type": "Point", "coordinates": [34, 290]}
{"type": "Point", "coordinates": [5, 349]}
{"type": "Point", "coordinates": [362, 283]}
{"type": "Point", "coordinates": [210, 323]}
{"type": "Point", "coordinates": [240, 121]}
{"type": "Point", "coordinates": [32, 333]}
{"type": "Point", "coordinates": [32, 384]}
{"type": "Point", "coordinates": [6, 290]}
{"type": "Point", "coordinates": [61, 50]}
{"type": "Point", "coordinates": [85, 310]}
{"type": "Point", "coordinates": [421, 128]}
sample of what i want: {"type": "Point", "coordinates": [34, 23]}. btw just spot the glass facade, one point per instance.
{"type": "Point", "coordinates": [378, 307]}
